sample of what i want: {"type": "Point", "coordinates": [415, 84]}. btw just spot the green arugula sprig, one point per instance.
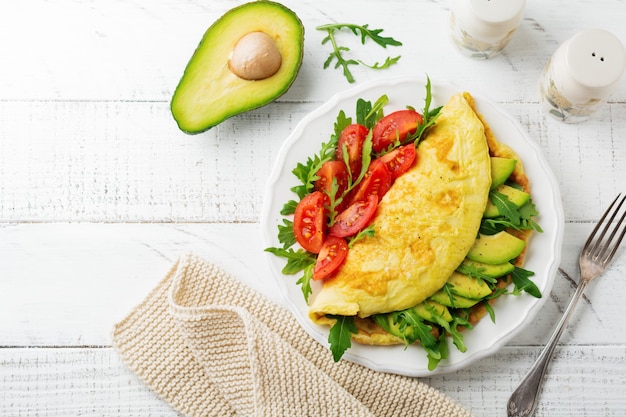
{"type": "Point", "coordinates": [365, 32]}
{"type": "Point", "coordinates": [340, 335]}
{"type": "Point", "coordinates": [429, 119]}
{"type": "Point", "coordinates": [429, 116]}
{"type": "Point", "coordinates": [510, 215]}
{"type": "Point", "coordinates": [307, 172]}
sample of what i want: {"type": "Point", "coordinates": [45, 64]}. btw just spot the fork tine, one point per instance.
{"type": "Point", "coordinates": [598, 250]}
{"type": "Point", "coordinates": [587, 244]}
{"type": "Point", "coordinates": [619, 239]}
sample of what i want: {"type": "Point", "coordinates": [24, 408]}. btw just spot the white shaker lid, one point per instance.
{"type": "Point", "coordinates": [596, 59]}
{"type": "Point", "coordinates": [489, 20]}
{"type": "Point", "coordinates": [588, 66]}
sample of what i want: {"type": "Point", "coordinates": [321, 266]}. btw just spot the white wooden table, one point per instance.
{"type": "Point", "coordinates": [100, 192]}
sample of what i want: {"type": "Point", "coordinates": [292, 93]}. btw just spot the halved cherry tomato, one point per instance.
{"type": "Point", "coordinates": [355, 218]}
{"type": "Point", "coordinates": [332, 255]}
{"type": "Point", "coordinates": [395, 126]}
{"type": "Point", "coordinates": [309, 222]}
{"type": "Point", "coordinates": [399, 160]}
{"type": "Point", "coordinates": [377, 181]}
{"type": "Point", "coordinates": [352, 137]}
{"type": "Point", "coordinates": [328, 171]}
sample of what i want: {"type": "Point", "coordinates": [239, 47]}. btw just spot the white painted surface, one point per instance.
{"type": "Point", "coordinates": [100, 192]}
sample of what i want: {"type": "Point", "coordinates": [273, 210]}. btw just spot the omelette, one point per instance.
{"type": "Point", "coordinates": [424, 227]}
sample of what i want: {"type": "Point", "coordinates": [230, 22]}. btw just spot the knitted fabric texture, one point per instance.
{"type": "Point", "coordinates": [211, 346]}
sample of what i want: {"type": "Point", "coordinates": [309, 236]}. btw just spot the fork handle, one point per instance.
{"type": "Point", "coordinates": [524, 399]}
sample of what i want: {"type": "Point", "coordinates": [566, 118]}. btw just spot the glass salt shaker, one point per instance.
{"type": "Point", "coordinates": [581, 75]}
{"type": "Point", "coordinates": [482, 28]}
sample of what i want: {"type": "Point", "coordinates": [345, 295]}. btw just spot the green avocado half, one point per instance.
{"type": "Point", "coordinates": [249, 57]}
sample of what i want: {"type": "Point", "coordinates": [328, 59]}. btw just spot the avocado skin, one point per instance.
{"type": "Point", "coordinates": [208, 93]}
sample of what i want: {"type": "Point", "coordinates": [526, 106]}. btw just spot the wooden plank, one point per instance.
{"type": "Point", "coordinates": [127, 161]}
{"type": "Point", "coordinates": [66, 284]}
{"type": "Point", "coordinates": [116, 50]}
{"type": "Point", "coordinates": [586, 381]}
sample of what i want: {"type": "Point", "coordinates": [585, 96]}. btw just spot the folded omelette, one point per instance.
{"type": "Point", "coordinates": [424, 226]}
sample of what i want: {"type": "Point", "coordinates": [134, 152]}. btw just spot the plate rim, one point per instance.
{"type": "Point", "coordinates": [354, 354]}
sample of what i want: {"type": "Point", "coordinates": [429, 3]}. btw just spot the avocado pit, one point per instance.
{"type": "Point", "coordinates": [255, 57]}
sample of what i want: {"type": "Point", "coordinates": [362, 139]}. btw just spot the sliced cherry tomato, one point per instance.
{"type": "Point", "coordinates": [377, 181]}
{"type": "Point", "coordinates": [395, 126]}
{"type": "Point", "coordinates": [355, 218]}
{"type": "Point", "coordinates": [309, 222]}
{"type": "Point", "coordinates": [399, 160]}
{"type": "Point", "coordinates": [332, 255]}
{"type": "Point", "coordinates": [328, 171]}
{"type": "Point", "coordinates": [352, 137]}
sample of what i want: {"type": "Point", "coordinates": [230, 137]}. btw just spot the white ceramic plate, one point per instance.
{"type": "Point", "coordinates": [543, 255]}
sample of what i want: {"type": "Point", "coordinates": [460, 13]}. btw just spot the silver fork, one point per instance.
{"type": "Point", "coordinates": [594, 257]}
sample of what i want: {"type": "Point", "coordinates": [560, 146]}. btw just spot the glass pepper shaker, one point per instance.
{"type": "Point", "coordinates": [482, 28]}
{"type": "Point", "coordinates": [581, 75]}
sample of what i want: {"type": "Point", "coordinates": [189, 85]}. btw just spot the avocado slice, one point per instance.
{"type": "Point", "coordinates": [514, 195]}
{"type": "Point", "coordinates": [428, 308]}
{"type": "Point", "coordinates": [249, 57]}
{"type": "Point", "coordinates": [453, 300]}
{"type": "Point", "coordinates": [391, 323]}
{"type": "Point", "coordinates": [501, 170]}
{"type": "Point", "coordinates": [468, 287]}
{"type": "Point", "coordinates": [491, 271]}
{"type": "Point", "coordinates": [496, 249]}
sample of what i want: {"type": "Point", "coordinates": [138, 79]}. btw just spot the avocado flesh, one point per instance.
{"type": "Point", "coordinates": [453, 300]}
{"type": "Point", "coordinates": [468, 287]}
{"type": "Point", "coordinates": [491, 271]}
{"type": "Point", "coordinates": [496, 249]}
{"type": "Point", "coordinates": [209, 93]}
{"type": "Point", "coordinates": [428, 309]}
{"type": "Point", "coordinates": [515, 196]}
{"type": "Point", "coordinates": [501, 170]}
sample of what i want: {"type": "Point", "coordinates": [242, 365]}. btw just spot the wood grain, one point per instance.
{"type": "Point", "coordinates": [100, 192]}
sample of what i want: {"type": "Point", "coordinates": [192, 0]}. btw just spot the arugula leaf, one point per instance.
{"type": "Point", "coordinates": [307, 172]}
{"type": "Point", "coordinates": [376, 112]}
{"type": "Point", "coordinates": [471, 270]}
{"type": "Point", "coordinates": [442, 353]}
{"type": "Point", "coordinates": [412, 328]}
{"type": "Point", "coordinates": [389, 61]}
{"type": "Point", "coordinates": [363, 107]}
{"type": "Point", "coordinates": [457, 335]}
{"type": "Point", "coordinates": [296, 260]}
{"type": "Point", "coordinates": [505, 207]}
{"type": "Point", "coordinates": [429, 116]}
{"type": "Point", "coordinates": [367, 232]}
{"type": "Point", "coordinates": [334, 201]}
{"type": "Point", "coordinates": [289, 208]}
{"type": "Point", "coordinates": [365, 32]}
{"type": "Point", "coordinates": [305, 281]}
{"type": "Point", "coordinates": [510, 215]}
{"type": "Point", "coordinates": [340, 124]}
{"type": "Point", "coordinates": [522, 282]}
{"type": "Point", "coordinates": [527, 212]}
{"type": "Point", "coordinates": [340, 335]}
{"type": "Point", "coordinates": [337, 54]}
{"type": "Point", "coordinates": [366, 159]}
{"type": "Point", "coordinates": [285, 234]}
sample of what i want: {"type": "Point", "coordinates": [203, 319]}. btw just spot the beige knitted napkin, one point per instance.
{"type": "Point", "coordinates": [211, 346]}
